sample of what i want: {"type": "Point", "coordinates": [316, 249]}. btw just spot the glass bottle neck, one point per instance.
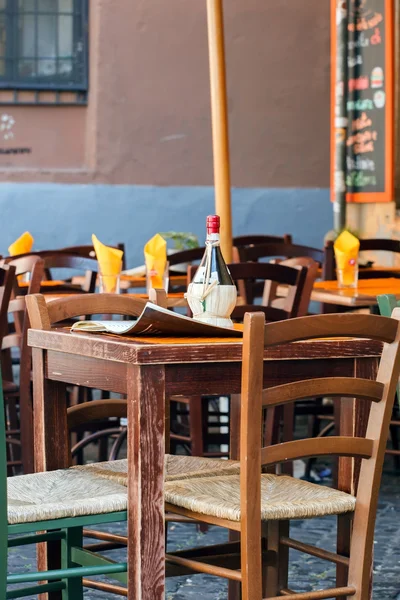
{"type": "Point", "coordinates": [213, 237]}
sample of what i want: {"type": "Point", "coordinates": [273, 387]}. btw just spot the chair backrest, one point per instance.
{"type": "Point", "coordinates": [387, 303]}
{"type": "Point", "coordinates": [43, 315]}
{"type": "Point", "coordinates": [7, 279]}
{"type": "Point", "coordinates": [380, 393]}
{"type": "Point", "coordinates": [270, 277]}
{"type": "Point", "coordinates": [277, 250]}
{"type": "Point", "coordinates": [186, 256]}
{"type": "Point", "coordinates": [312, 271]}
{"type": "Point", "coordinates": [252, 240]}
{"type": "Point", "coordinates": [3, 497]}
{"type": "Point", "coordinates": [54, 259]}
{"type": "Point", "coordinates": [88, 251]}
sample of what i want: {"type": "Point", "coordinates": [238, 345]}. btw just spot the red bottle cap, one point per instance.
{"type": "Point", "coordinates": [213, 224]}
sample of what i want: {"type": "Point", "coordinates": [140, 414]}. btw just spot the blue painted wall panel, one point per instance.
{"type": "Point", "coordinates": [61, 215]}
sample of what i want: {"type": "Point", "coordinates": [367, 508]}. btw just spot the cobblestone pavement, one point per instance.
{"type": "Point", "coordinates": [306, 572]}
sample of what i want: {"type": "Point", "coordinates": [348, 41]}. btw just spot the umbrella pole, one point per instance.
{"type": "Point", "coordinates": [219, 120]}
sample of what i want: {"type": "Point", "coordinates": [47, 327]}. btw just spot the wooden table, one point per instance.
{"type": "Point", "coordinates": [149, 370]}
{"type": "Point", "coordinates": [363, 295]}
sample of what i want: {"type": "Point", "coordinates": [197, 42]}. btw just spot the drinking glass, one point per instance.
{"type": "Point", "coordinates": [152, 276]}
{"type": "Point", "coordinates": [348, 277]}
{"type": "Point", "coordinates": [109, 284]}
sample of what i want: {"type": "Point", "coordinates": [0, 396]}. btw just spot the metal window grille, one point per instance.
{"type": "Point", "coordinates": [44, 45]}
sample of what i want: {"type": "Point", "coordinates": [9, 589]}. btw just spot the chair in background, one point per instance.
{"type": "Point", "coordinates": [253, 240]}
{"type": "Point", "coordinates": [261, 505]}
{"type": "Point", "coordinates": [88, 251]}
{"type": "Point", "coordinates": [17, 390]}
{"type": "Point", "coordinates": [194, 255]}
{"type": "Point", "coordinates": [270, 251]}
{"type": "Point", "coordinates": [197, 421]}
{"type": "Point", "coordinates": [387, 303]}
{"type": "Point", "coordinates": [43, 507]}
{"type": "Point", "coordinates": [72, 262]}
{"type": "Point", "coordinates": [7, 278]}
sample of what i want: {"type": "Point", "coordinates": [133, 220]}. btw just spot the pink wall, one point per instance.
{"type": "Point", "coordinates": [148, 116]}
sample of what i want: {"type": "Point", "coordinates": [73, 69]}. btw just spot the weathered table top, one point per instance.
{"type": "Point", "coordinates": [363, 295]}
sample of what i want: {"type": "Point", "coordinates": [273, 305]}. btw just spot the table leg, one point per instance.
{"type": "Point", "coordinates": [51, 445]}
{"type": "Point", "coordinates": [146, 542]}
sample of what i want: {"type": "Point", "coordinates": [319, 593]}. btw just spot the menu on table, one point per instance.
{"type": "Point", "coordinates": [370, 152]}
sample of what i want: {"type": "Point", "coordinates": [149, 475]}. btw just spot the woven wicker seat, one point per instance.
{"type": "Point", "coordinates": [281, 498]}
{"type": "Point", "coordinates": [60, 494]}
{"type": "Point", "coordinates": [176, 468]}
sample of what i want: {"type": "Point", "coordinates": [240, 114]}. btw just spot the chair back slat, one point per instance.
{"type": "Point", "coordinates": [7, 278]}
{"type": "Point", "coordinates": [278, 250]}
{"type": "Point", "coordinates": [94, 411]}
{"type": "Point", "coordinates": [3, 498]}
{"type": "Point", "coordinates": [276, 272]}
{"type": "Point", "coordinates": [253, 240]}
{"type": "Point", "coordinates": [331, 325]}
{"type": "Point", "coordinates": [271, 313]}
{"type": "Point", "coordinates": [88, 251]}
{"type": "Point", "coordinates": [342, 387]}
{"type": "Point", "coordinates": [44, 314]}
{"type": "Point", "coordinates": [327, 446]}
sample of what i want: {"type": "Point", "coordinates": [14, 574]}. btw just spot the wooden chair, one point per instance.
{"type": "Point", "coordinates": [261, 505]}
{"type": "Point", "coordinates": [253, 240]}
{"type": "Point", "coordinates": [387, 303]}
{"type": "Point", "coordinates": [54, 507]}
{"type": "Point", "coordinates": [196, 254]}
{"type": "Point", "coordinates": [88, 251]}
{"type": "Point", "coordinates": [273, 251]}
{"type": "Point", "coordinates": [7, 279]}
{"type": "Point", "coordinates": [201, 418]}
{"type": "Point", "coordinates": [60, 260]}
{"type": "Point", "coordinates": [17, 391]}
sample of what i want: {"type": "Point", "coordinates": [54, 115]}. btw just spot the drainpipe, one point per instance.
{"type": "Point", "coordinates": [341, 119]}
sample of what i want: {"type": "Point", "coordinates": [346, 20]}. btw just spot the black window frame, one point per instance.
{"type": "Point", "coordinates": [11, 80]}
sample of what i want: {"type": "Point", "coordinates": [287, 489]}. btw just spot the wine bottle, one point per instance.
{"type": "Point", "coordinates": [212, 293]}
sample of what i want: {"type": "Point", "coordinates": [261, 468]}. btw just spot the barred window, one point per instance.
{"type": "Point", "coordinates": [43, 44]}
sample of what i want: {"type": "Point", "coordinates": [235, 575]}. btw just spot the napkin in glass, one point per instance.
{"type": "Point", "coordinates": [110, 262]}
{"type": "Point", "coordinates": [346, 249]}
{"type": "Point", "coordinates": [23, 245]}
{"type": "Point", "coordinates": [155, 256]}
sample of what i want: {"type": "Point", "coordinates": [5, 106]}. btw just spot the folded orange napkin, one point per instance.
{"type": "Point", "coordinates": [22, 245]}
{"type": "Point", "coordinates": [155, 256]}
{"type": "Point", "coordinates": [346, 249]}
{"type": "Point", "coordinates": [110, 262]}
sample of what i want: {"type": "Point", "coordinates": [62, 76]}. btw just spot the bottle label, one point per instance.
{"type": "Point", "coordinates": [201, 273]}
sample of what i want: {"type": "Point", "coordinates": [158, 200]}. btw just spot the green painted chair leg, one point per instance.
{"type": "Point", "coordinates": [3, 500]}
{"type": "Point", "coordinates": [387, 303]}
{"type": "Point", "coordinates": [74, 587]}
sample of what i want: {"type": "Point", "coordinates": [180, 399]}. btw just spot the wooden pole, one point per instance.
{"type": "Point", "coordinates": [219, 120]}
{"type": "Point", "coordinates": [396, 27]}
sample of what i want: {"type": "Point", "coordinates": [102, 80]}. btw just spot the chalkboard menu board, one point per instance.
{"type": "Point", "coordinates": [369, 174]}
